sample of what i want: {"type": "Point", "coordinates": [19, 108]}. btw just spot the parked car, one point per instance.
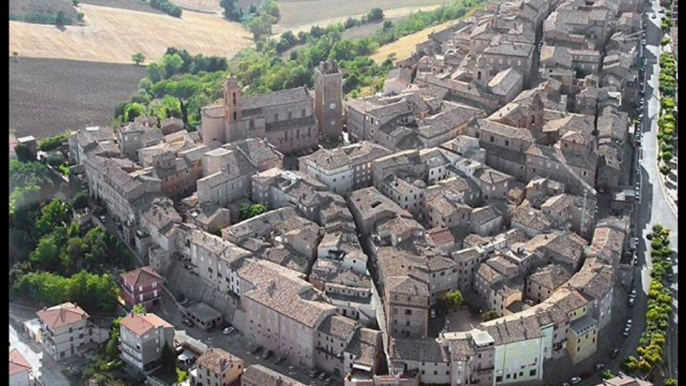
{"type": "Point", "coordinates": [575, 380]}
{"type": "Point", "coordinates": [629, 322]}
{"type": "Point", "coordinates": [627, 331]}
{"type": "Point", "coordinates": [256, 350]}
{"type": "Point", "coordinates": [314, 373]}
{"type": "Point", "coordinates": [322, 376]}
{"type": "Point", "coordinates": [649, 236]}
{"type": "Point", "coordinates": [599, 367]}
{"type": "Point", "coordinates": [188, 322]}
{"type": "Point", "coordinates": [328, 381]}
{"type": "Point", "coordinates": [103, 219]}
{"type": "Point", "coordinates": [279, 360]}
{"type": "Point", "coordinates": [228, 330]}
{"type": "Point", "coordinates": [267, 354]}
{"type": "Point", "coordinates": [433, 313]}
{"type": "Point", "coordinates": [670, 277]}
{"type": "Point", "coordinates": [632, 294]}
{"type": "Point", "coordinates": [632, 301]}
{"type": "Point", "coordinates": [614, 354]}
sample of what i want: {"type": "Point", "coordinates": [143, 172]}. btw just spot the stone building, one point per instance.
{"type": "Point", "coordinates": [285, 118]}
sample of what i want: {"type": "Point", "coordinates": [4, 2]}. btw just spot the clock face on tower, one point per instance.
{"type": "Point", "coordinates": [332, 106]}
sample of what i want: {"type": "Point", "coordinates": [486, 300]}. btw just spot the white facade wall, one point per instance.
{"type": "Point", "coordinates": [523, 359]}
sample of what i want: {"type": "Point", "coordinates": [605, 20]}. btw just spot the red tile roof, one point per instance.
{"type": "Point", "coordinates": [62, 315]}
{"type": "Point", "coordinates": [141, 324]}
{"type": "Point", "coordinates": [18, 363]}
{"type": "Point", "coordinates": [141, 277]}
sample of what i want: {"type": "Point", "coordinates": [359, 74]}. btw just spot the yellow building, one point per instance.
{"type": "Point", "coordinates": [582, 338]}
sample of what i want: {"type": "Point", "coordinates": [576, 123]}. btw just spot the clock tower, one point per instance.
{"type": "Point", "coordinates": [328, 99]}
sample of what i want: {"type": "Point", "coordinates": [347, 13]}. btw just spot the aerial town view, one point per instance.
{"type": "Point", "coordinates": [343, 192]}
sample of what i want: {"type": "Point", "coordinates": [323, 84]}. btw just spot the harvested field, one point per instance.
{"type": "Point", "coordinates": [405, 46]}
{"type": "Point", "coordinates": [48, 96]}
{"type": "Point", "coordinates": [113, 35]}
{"type": "Point", "coordinates": [131, 5]}
{"type": "Point", "coordinates": [206, 6]}
{"type": "Point", "coordinates": [302, 15]}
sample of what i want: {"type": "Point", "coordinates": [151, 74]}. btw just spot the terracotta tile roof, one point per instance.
{"type": "Point", "coordinates": [338, 326]}
{"type": "Point", "coordinates": [141, 277]}
{"type": "Point", "coordinates": [141, 324]}
{"type": "Point", "coordinates": [18, 364]}
{"type": "Point", "coordinates": [216, 360]}
{"type": "Point", "coordinates": [259, 375]}
{"type": "Point", "coordinates": [61, 315]}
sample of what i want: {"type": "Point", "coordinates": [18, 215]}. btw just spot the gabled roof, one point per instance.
{"type": "Point", "coordinates": [141, 277]}
{"type": "Point", "coordinates": [61, 315]}
{"type": "Point", "coordinates": [141, 324]}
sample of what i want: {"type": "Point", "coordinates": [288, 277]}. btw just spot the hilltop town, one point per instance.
{"type": "Point", "coordinates": [475, 222]}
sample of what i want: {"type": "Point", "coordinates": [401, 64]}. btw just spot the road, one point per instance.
{"type": "Point", "coordinates": [655, 208]}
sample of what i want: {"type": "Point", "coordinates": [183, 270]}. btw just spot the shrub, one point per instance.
{"type": "Point", "coordinates": [52, 143]}
{"type": "Point", "coordinates": [664, 42]}
{"type": "Point", "coordinates": [137, 58]}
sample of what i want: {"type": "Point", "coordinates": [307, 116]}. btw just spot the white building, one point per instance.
{"type": "Point", "coordinates": [65, 328]}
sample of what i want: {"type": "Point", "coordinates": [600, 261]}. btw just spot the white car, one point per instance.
{"type": "Point", "coordinates": [633, 293]}
{"type": "Point", "coordinates": [228, 330]}
{"type": "Point", "coordinates": [575, 380]}
{"type": "Point", "coordinates": [628, 323]}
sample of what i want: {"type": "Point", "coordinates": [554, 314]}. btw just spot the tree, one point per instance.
{"type": "Point", "coordinates": [375, 14]}
{"type": "Point", "coordinates": [24, 154]}
{"type": "Point", "coordinates": [80, 16]}
{"type": "Point", "coordinates": [112, 347]}
{"type": "Point", "coordinates": [250, 211]}
{"type": "Point", "coordinates": [75, 3]}
{"type": "Point", "coordinates": [607, 374]}
{"type": "Point", "coordinates": [454, 299]}
{"type": "Point", "coordinates": [231, 9]}
{"type": "Point", "coordinates": [644, 367]}
{"type": "Point", "coordinates": [387, 25]}
{"type": "Point", "coordinates": [168, 359]}
{"type": "Point", "coordinates": [134, 110]}
{"type": "Point", "coordinates": [670, 382]}
{"type": "Point", "coordinates": [182, 376]}
{"type": "Point", "coordinates": [80, 201]}
{"type": "Point", "coordinates": [172, 64]}
{"type": "Point", "coordinates": [61, 19]}
{"type": "Point", "coordinates": [15, 56]}
{"type": "Point", "coordinates": [490, 315]}
{"type": "Point", "coordinates": [47, 255]}
{"type": "Point", "coordinates": [137, 58]}
{"type": "Point", "coordinates": [272, 8]}
{"type": "Point", "coordinates": [139, 309]}
{"type": "Point", "coordinates": [350, 23]}
{"type": "Point", "coordinates": [55, 214]}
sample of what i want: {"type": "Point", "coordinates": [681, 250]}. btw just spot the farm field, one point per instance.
{"type": "Point", "coordinates": [45, 8]}
{"type": "Point", "coordinates": [302, 15]}
{"type": "Point", "coordinates": [112, 35]}
{"type": "Point", "coordinates": [49, 96]}
{"type": "Point", "coordinates": [207, 6]}
{"type": "Point", "coordinates": [405, 46]}
{"type": "Point", "coordinates": [131, 5]}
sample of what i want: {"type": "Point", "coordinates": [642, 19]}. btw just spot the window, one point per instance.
{"type": "Point", "coordinates": [408, 312]}
{"type": "Point", "coordinates": [276, 117]}
{"type": "Point", "coordinates": [492, 139]}
{"type": "Point", "coordinates": [235, 116]}
{"type": "Point", "coordinates": [507, 142]}
{"type": "Point", "coordinates": [290, 115]}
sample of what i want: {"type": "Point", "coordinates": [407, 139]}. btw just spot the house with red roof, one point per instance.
{"type": "Point", "coordinates": [21, 373]}
{"type": "Point", "coordinates": [142, 286]}
{"type": "Point", "coordinates": [66, 328]}
{"type": "Point", "coordinates": [142, 339]}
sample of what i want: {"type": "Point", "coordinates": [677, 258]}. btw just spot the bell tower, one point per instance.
{"type": "Point", "coordinates": [232, 95]}
{"type": "Point", "coordinates": [328, 99]}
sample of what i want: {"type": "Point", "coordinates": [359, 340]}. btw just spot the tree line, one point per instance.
{"type": "Point", "coordinates": [167, 7]}
{"type": "Point", "coordinates": [196, 81]}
